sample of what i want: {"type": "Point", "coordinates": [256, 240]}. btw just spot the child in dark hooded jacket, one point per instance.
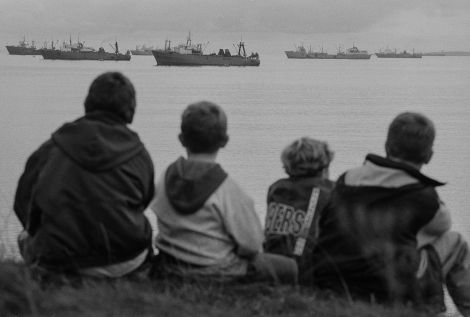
{"type": "Point", "coordinates": [295, 202]}
{"type": "Point", "coordinates": [207, 225]}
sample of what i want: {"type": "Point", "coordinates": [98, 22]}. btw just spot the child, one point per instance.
{"type": "Point", "coordinates": [207, 225]}
{"type": "Point", "coordinates": [381, 212]}
{"type": "Point", "coordinates": [293, 202]}
{"type": "Point", "coordinates": [82, 195]}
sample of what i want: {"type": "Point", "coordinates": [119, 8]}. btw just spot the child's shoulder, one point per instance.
{"type": "Point", "coordinates": [230, 187]}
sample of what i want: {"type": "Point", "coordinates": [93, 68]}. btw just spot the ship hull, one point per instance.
{"type": "Point", "coordinates": [18, 50]}
{"type": "Point", "coordinates": [166, 58]}
{"type": "Point", "coordinates": [141, 53]}
{"type": "Point", "coordinates": [95, 56]}
{"type": "Point", "coordinates": [353, 56]}
{"type": "Point", "coordinates": [294, 54]}
{"type": "Point", "coordinates": [321, 56]}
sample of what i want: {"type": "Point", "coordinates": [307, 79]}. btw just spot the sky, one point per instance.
{"type": "Point", "coordinates": [404, 24]}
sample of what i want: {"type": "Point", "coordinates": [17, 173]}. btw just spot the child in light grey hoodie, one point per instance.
{"type": "Point", "coordinates": [207, 225]}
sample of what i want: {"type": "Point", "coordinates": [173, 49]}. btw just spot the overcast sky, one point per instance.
{"type": "Point", "coordinates": [426, 24]}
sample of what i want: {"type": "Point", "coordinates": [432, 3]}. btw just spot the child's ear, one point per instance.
{"type": "Point", "coordinates": [181, 138]}
{"type": "Point", "coordinates": [224, 141]}
{"type": "Point", "coordinates": [428, 157]}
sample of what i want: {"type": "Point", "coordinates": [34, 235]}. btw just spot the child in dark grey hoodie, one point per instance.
{"type": "Point", "coordinates": [207, 225]}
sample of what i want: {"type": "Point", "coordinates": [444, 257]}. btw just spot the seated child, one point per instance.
{"type": "Point", "coordinates": [294, 203]}
{"type": "Point", "coordinates": [207, 225]}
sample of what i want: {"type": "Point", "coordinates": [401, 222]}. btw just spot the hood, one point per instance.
{"type": "Point", "coordinates": [190, 183]}
{"type": "Point", "coordinates": [98, 141]}
{"type": "Point", "coordinates": [381, 178]}
{"type": "Point", "coordinates": [383, 172]}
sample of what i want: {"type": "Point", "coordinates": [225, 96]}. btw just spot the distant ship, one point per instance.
{"type": "Point", "coordinates": [23, 48]}
{"type": "Point", "coordinates": [301, 53]}
{"type": "Point", "coordinates": [142, 50]}
{"type": "Point", "coordinates": [394, 54]}
{"type": "Point", "coordinates": [189, 54]}
{"type": "Point", "coordinates": [78, 51]}
{"type": "Point", "coordinates": [353, 53]}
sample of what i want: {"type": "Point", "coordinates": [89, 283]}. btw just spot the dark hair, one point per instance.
{"type": "Point", "coordinates": [410, 138]}
{"type": "Point", "coordinates": [203, 127]}
{"type": "Point", "coordinates": [112, 92]}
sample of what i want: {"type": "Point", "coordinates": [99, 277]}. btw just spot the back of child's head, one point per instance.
{"type": "Point", "coordinates": [203, 127]}
{"type": "Point", "coordinates": [306, 157]}
{"type": "Point", "coordinates": [114, 93]}
{"type": "Point", "coordinates": [410, 138]}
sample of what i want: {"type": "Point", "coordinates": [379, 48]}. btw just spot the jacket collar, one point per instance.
{"type": "Point", "coordinates": [385, 162]}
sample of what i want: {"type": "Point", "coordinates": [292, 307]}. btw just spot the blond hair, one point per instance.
{"type": "Point", "coordinates": [306, 157]}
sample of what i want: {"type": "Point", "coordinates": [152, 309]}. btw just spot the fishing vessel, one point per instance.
{"type": "Point", "coordinates": [78, 51]}
{"type": "Point", "coordinates": [23, 48]}
{"type": "Point", "coordinates": [394, 54]}
{"type": "Point", "coordinates": [353, 53]}
{"type": "Point", "coordinates": [302, 53]}
{"type": "Point", "coordinates": [142, 50]}
{"type": "Point", "coordinates": [189, 54]}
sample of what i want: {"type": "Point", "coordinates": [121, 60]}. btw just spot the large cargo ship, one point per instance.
{"type": "Point", "coordinates": [394, 54]}
{"type": "Point", "coordinates": [142, 50]}
{"type": "Point", "coordinates": [353, 53]}
{"type": "Point", "coordinates": [79, 52]}
{"type": "Point", "coordinates": [23, 48]}
{"type": "Point", "coordinates": [302, 53]}
{"type": "Point", "coordinates": [189, 54]}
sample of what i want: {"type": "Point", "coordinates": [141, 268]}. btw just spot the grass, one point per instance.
{"type": "Point", "coordinates": [20, 295]}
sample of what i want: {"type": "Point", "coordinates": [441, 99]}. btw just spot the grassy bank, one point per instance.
{"type": "Point", "coordinates": [21, 296]}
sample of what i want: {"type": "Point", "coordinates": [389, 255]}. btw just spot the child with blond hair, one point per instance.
{"type": "Point", "coordinates": [293, 202]}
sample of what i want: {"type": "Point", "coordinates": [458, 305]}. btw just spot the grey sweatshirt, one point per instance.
{"type": "Point", "coordinates": [205, 218]}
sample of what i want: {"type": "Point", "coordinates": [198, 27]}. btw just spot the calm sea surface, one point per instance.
{"type": "Point", "coordinates": [348, 103]}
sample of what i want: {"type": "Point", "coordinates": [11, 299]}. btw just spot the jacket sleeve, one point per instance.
{"type": "Point", "coordinates": [26, 185]}
{"type": "Point", "coordinates": [149, 179]}
{"type": "Point", "coordinates": [242, 222]}
{"type": "Point", "coordinates": [439, 224]}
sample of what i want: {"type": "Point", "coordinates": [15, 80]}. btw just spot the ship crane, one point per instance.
{"type": "Point", "coordinates": [240, 47]}
{"type": "Point", "coordinates": [114, 47]}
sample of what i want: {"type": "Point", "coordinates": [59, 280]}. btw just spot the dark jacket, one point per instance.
{"type": "Point", "coordinates": [288, 201]}
{"type": "Point", "coordinates": [367, 245]}
{"type": "Point", "coordinates": [82, 195]}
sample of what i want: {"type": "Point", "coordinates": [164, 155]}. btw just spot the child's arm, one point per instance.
{"type": "Point", "coordinates": [242, 222]}
{"type": "Point", "coordinates": [440, 223]}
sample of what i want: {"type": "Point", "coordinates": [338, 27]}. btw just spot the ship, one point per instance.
{"type": "Point", "coordinates": [142, 50]}
{"type": "Point", "coordinates": [23, 48]}
{"type": "Point", "coordinates": [394, 54]}
{"type": "Point", "coordinates": [302, 53]}
{"type": "Point", "coordinates": [78, 51]}
{"type": "Point", "coordinates": [321, 55]}
{"type": "Point", "coordinates": [353, 53]}
{"type": "Point", "coordinates": [189, 54]}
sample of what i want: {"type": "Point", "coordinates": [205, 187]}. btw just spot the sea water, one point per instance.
{"type": "Point", "coordinates": [348, 103]}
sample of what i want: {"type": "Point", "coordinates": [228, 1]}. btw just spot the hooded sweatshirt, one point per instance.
{"type": "Point", "coordinates": [367, 245]}
{"type": "Point", "coordinates": [82, 195]}
{"type": "Point", "coordinates": [205, 219]}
